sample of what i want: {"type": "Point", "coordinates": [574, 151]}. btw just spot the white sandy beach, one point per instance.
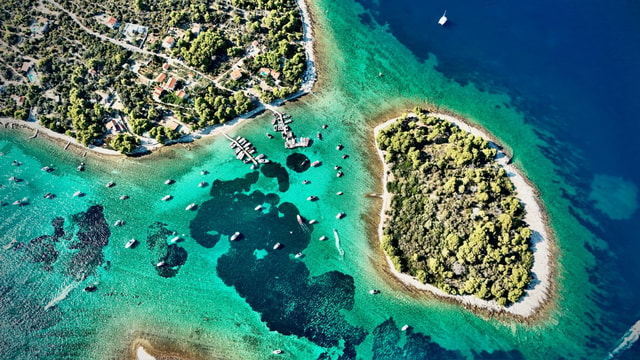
{"type": "Point", "coordinates": [535, 296]}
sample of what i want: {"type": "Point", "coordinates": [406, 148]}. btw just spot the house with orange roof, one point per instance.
{"type": "Point", "coordinates": [158, 92]}
{"type": "Point", "coordinates": [111, 22]}
{"type": "Point", "coordinates": [171, 84]}
{"type": "Point", "coordinates": [160, 78]}
{"type": "Point", "coordinates": [181, 94]}
{"type": "Point", "coordinates": [236, 74]}
{"type": "Point", "coordinates": [168, 42]}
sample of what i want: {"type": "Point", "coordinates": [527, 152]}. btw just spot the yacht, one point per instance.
{"type": "Point", "coordinates": [161, 264]}
{"type": "Point", "coordinates": [277, 351]}
{"type": "Point", "coordinates": [374, 291]}
{"type": "Point", "coordinates": [175, 240]}
{"type": "Point", "coordinates": [235, 236]}
{"type": "Point", "coordinates": [277, 246]}
{"type": "Point", "coordinates": [191, 206]}
{"type": "Point", "coordinates": [340, 215]}
{"type": "Point", "coordinates": [124, 197]}
{"type": "Point", "coordinates": [118, 223]}
{"type": "Point", "coordinates": [202, 184]}
{"type": "Point", "coordinates": [443, 18]}
{"type": "Point", "coordinates": [315, 163]}
{"type": "Point", "coordinates": [17, 202]}
{"type": "Point", "coordinates": [258, 208]}
{"type": "Point", "coordinates": [204, 172]}
{"type": "Point", "coordinates": [337, 167]}
{"type": "Point", "coordinates": [110, 184]}
{"type": "Point", "coordinates": [312, 198]}
{"type": "Point", "coordinates": [78, 193]}
{"type": "Point", "coordinates": [167, 197]}
{"type": "Point", "coordinates": [323, 238]}
{"type": "Point", "coordinates": [47, 169]}
{"type": "Point", "coordinates": [313, 221]}
{"type": "Point", "coordinates": [405, 328]}
{"type": "Point", "coordinates": [169, 181]}
{"type": "Point", "coordinates": [339, 193]}
{"type": "Point", "coordinates": [340, 173]}
{"type": "Point", "coordinates": [345, 156]}
{"type": "Point", "coordinates": [339, 147]}
{"type": "Point", "coordinates": [130, 243]}
{"type": "Point", "coordinates": [298, 255]}
{"type": "Point", "coordinates": [300, 220]}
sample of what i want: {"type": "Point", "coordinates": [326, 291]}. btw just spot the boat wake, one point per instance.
{"type": "Point", "coordinates": [335, 235]}
{"type": "Point", "coordinates": [62, 295]}
{"type": "Point", "coordinates": [630, 337]}
{"type": "Point", "coordinates": [303, 226]}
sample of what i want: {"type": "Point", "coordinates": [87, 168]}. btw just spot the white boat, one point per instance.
{"type": "Point", "coordinates": [167, 197]}
{"type": "Point", "coordinates": [130, 243]}
{"type": "Point", "coordinates": [161, 264]}
{"type": "Point", "coordinates": [312, 221]}
{"type": "Point", "coordinates": [277, 246]}
{"type": "Point", "coordinates": [204, 172]}
{"type": "Point", "coordinates": [235, 236]}
{"type": "Point", "coordinates": [374, 291]}
{"type": "Point", "coordinates": [118, 223]}
{"type": "Point", "coordinates": [340, 174]}
{"type": "Point", "coordinates": [258, 208]}
{"type": "Point", "coordinates": [300, 220]}
{"type": "Point", "coordinates": [315, 163]}
{"type": "Point", "coordinates": [405, 328]}
{"type": "Point", "coordinates": [443, 18]}
{"type": "Point", "coordinates": [17, 202]}
{"type": "Point", "coordinates": [191, 206]}
{"type": "Point", "coordinates": [339, 193]}
{"type": "Point", "coordinates": [169, 181]}
{"type": "Point", "coordinates": [78, 193]}
{"type": "Point", "coordinates": [312, 198]}
{"type": "Point", "coordinates": [124, 197]}
{"type": "Point", "coordinates": [175, 240]}
{"type": "Point", "coordinates": [339, 147]}
{"type": "Point", "coordinates": [47, 169]}
{"type": "Point", "coordinates": [277, 351]}
{"type": "Point", "coordinates": [323, 238]}
{"type": "Point", "coordinates": [337, 167]}
{"type": "Point", "coordinates": [202, 184]}
{"type": "Point", "coordinates": [110, 184]}
{"type": "Point", "coordinates": [340, 215]}
{"type": "Point", "coordinates": [298, 255]}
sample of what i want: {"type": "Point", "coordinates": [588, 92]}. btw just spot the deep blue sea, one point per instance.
{"type": "Point", "coordinates": [556, 83]}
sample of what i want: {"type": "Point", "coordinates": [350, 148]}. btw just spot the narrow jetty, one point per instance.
{"type": "Point", "coordinates": [281, 123]}
{"type": "Point", "coordinates": [243, 149]}
{"type": "Point", "coordinates": [35, 134]}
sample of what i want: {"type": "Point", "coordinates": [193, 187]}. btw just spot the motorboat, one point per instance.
{"type": "Point", "coordinates": [323, 238]}
{"type": "Point", "coordinates": [405, 328]}
{"type": "Point", "coordinates": [167, 197]}
{"type": "Point", "coordinates": [78, 193]}
{"type": "Point", "coordinates": [277, 351]}
{"type": "Point", "coordinates": [316, 163]}
{"type": "Point", "coordinates": [258, 208]}
{"type": "Point", "coordinates": [313, 221]}
{"type": "Point", "coordinates": [443, 18]}
{"type": "Point", "coordinates": [124, 197]}
{"type": "Point", "coordinates": [298, 255]}
{"type": "Point", "coordinates": [90, 288]}
{"type": "Point", "coordinates": [339, 147]}
{"type": "Point", "coordinates": [169, 181]}
{"type": "Point", "coordinates": [118, 223]}
{"type": "Point", "coordinates": [339, 173]}
{"type": "Point", "coordinates": [305, 182]}
{"type": "Point", "coordinates": [312, 198]}
{"type": "Point", "coordinates": [339, 193]}
{"type": "Point", "coordinates": [236, 235]}
{"type": "Point", "coordinates": [337, 167]}
{"type": "Point", "coordinates": [191, 206]}
{"type": "Point", "coordinates": [202, 184]}
{"type": "Point", "coordinates": [161, 264]}
{"type": "Point", "coordinates": [374, 291]}
{"type": "Point", "coordinates": [340, 215]}
{"type": "Point", "coordinates": [277, 246]}
{"type": "Point", "coordinates": [130, 243]}
{"type": "Point", "coordinates": [345, 156]}
{"type": "Point", "coordinates": [204, 172]}
{"type": "Point", "coordinates": [175, 240]}
{"type": "Point", "coordinates": [110, 184]}
{"type": "Point", "coordinates": [47, 169]}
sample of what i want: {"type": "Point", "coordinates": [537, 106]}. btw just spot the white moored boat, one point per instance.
{"type": "Point", "coordinates": [443, 18]}
{"type": "Point", "coordinates": [191, 206]}
{"type": "Point", "coordinates": [130, 243]}
{"type": "Point", "coordinates": [277, 246]}
{"type": "Point", "coordinates": [235, 236]}
{"type": "Point", "coordinates": [340, 215]}
{"type": "Point", "coordinates": [167, 197]}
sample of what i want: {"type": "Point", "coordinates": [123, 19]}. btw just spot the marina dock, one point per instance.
{"type": "Point", "coordinates": [281, 123]}
{"type": "Point", "coordinates": [243, 149]}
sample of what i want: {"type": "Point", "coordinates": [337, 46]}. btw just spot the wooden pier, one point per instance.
{"type": "Point", "coordinates": [243, 148]}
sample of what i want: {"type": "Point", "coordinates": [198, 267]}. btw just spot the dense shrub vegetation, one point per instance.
{"type": "Point", "coordinates": [454, 221]}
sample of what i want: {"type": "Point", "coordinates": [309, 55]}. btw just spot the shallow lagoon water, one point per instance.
{"type": "Point", "coordinates": [219, 299]}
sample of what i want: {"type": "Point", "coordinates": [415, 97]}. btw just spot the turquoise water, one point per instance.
{"type": "Point", "coordinates": [220, 299]}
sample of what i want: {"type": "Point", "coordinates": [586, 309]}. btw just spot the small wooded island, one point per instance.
{"type": "Point", "coordinates": [454, 220]}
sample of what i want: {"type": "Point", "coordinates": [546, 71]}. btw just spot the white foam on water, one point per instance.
{"type": "Point", "coordinates": [62, 295]}
{"type": "Point", "coordinates": [335, 235]}
{"type": "Point", "coordinates": [628, 339]}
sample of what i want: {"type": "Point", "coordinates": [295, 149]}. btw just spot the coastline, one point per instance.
{"type": "Point", "coordinates": [309, 80]}
{"type": "Point", "coordinates": [535, 298]}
